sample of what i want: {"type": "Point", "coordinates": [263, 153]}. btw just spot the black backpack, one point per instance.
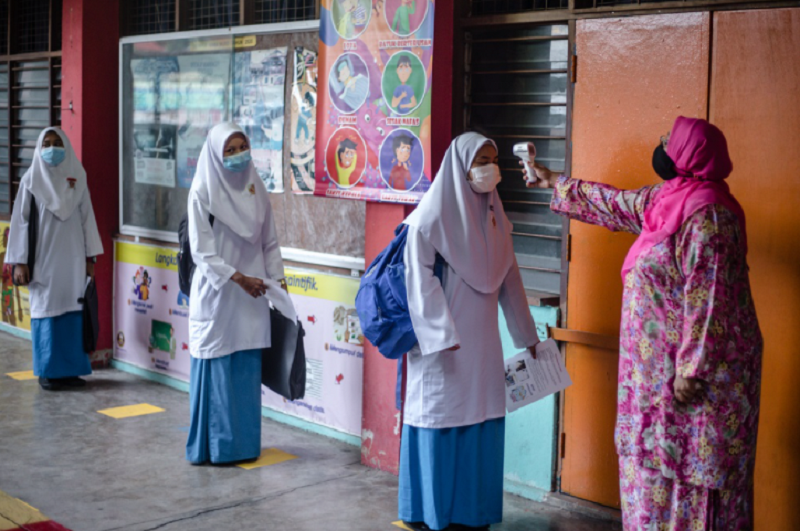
{"type": "Point", "coordinates": [185, 262]}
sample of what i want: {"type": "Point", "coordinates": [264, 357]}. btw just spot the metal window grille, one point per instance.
{"type": "Point", "coordinates": [152, 16]}
{"type": "Point", "coordinates": [516, 91]}
{"type": "Point", "coordinates": [57, 14]}
{"type": "Point", "coordinates": [32, 24]}
{"type": "Point", "coordinates": [3, 27]}
{"type": "Point", "coordinates": [208, 14]}
{"type": "Point", "coordinates": [502, 7]}
{"type": "Point", "coordinates": [589, 4]}
{"type": "Point", "coordinates": [267, 11]}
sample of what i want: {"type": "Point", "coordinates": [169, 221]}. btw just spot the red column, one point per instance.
{"type": "Point", "coordinates": [381, 422]}
{"type": "Point", "coordinates": [90, 72]}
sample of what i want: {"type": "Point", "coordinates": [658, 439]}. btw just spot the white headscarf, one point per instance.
{"type": "Point", "coordinates": [458, 221]}
{"type": "Point", "coordinates": [59, 188]}
{"type": "Point", "coordinates": [237, 199]}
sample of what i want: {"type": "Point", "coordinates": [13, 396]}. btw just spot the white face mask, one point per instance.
{"type": "Point", "coordinates": [485, 178]}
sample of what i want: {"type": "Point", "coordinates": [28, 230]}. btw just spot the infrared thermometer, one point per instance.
{"type": "Point", "coordinates": [527, 152]}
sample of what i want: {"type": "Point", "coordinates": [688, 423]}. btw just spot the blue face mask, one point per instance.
{"type": "Point", "coordinates": [238, 162]}
{"type": "Point", "coordinates": [54, 155]}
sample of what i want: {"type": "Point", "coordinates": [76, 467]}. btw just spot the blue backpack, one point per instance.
{"type": "Point", "coordinates": [382, 299]}
{"type": "Point", "coordinates": [382, 304]}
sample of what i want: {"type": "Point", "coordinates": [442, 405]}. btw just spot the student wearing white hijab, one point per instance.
{"type": "Point", "coordinates": [451, 456]}
{"type": "Point", "coordinates": [67, 245]}
{"type": "Point", "coordinates": [228, 315]}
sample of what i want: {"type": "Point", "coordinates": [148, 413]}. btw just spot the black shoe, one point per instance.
{"type": "Point", "coordinates": [74, 381]}
{"type": "Point", "coordinates": [417, 526]}
{"type": "Point", "coordinates": [49, 384]}
{"type": "Point", "coordinates": [199, 463]}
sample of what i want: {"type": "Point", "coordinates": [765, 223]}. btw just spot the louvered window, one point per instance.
{"type": "Point", "coordinates": [30, 86]}
{"type": "Point", "coordinates": [516, 91]}
{"type": "Point", "coordinates": [502, 7]}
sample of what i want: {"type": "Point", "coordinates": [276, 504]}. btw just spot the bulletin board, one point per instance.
{"type": "Point", "coordinates": [155, 181]}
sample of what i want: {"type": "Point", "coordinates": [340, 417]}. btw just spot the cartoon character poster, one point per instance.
{"type": "Point", "coordinates": [374, 108]}
{"type": "Point", "coordinates": [304, 120]}
{"type": "Point", "coordinates": [15, 303]}
{"type": "Point", "coordinates": [258, 108]}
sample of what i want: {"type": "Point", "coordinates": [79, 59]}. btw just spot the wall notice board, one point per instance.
{"type": "Point", "coordinates": [174, 89]}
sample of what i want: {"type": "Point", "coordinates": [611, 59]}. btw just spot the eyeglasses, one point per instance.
{"type": "Point", "coordinates": [665, 141]}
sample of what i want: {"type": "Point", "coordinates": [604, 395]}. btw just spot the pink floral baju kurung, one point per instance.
{"type": "Point", "coordinates": [687, 310]}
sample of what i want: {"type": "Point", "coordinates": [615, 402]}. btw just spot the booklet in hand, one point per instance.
{"type": "Point", "coordinates": [529, 380]}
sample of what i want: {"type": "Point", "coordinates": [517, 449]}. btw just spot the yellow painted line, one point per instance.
{"type": "Point", "coordinates": [134, 410]}
{"type": "Point", "coordinates": [270, 456]}
{"type": "Point", "coordinates": [21, 375]}
{"type": "Point", "coordinates": [15, 513]}
{"type": "Point", "coordinates": [401, 525]}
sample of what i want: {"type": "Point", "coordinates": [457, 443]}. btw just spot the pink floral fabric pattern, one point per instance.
{"type": "Point", "coordinates": [687, 310]}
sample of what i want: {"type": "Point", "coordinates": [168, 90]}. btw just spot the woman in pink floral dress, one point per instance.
{"type": "Point", "coordinates": [690, 344]}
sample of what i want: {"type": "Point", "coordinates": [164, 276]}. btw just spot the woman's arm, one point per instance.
{"type": "Point", "coordinates": [272, 249]}
{"type": "Point", "coordinates": [91, 235]}
{"type": "Point", "coordinates": [427, 304]}
{"type": "Point", "coordinates": [515, 307]}
{"type": "Point", "coordinates": [596, 203]}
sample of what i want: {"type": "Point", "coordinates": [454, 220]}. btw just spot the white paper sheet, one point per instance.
{"type": "Point", "coordinates": [280, 299]}
{"type": "Point", "coordinates": [529, 380]}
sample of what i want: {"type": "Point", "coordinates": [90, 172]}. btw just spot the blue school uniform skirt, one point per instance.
{"type": "Point", "coordinates": [225, 396]}
{"type": "Point", "coordinates": [452, 475]}
{"type": "Point", "coordinates": [58, 347]}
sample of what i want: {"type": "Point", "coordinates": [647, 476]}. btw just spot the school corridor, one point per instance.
{"type": "Point", "coordinates": [89, 471]}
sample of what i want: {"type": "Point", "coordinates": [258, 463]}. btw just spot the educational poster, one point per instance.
{"type": "Point", "coordinates": [15, 304]}
{"type": "Point", "coordinates": [304, 121]}
{"type": "Point", "coordinates": [154, 148]}
{"type": "Point", "coordinates": [374, 111]}
{"type": "Point", "coordinates": [151, 327]}
{"type": "Point", "coordinates": [151, 315]}
{"type": "Point", "coordinates": [334, 347]}
{"type": "Point", "coordinates": [202, 88]}
{"type": "Point", "coordinates": [258, 107]}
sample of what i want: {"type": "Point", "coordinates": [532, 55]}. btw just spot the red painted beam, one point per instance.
{"type": "Point", "coordinates": [89, 83]}
{"type": "Point", "coordinates": [381, 422]}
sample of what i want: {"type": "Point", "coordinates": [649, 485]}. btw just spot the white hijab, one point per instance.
{"type": "Point", "coordinates": [237, 199]}
{"type": "Point", "coordinates": [458, 221]}
{"type": "Point", "coordinates": [50, 185]}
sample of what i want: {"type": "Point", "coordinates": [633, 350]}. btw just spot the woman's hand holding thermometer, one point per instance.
{"type": "Point", "coordinates": [526, 151]}
{"type": "Point", "coordinates": [536, 175]}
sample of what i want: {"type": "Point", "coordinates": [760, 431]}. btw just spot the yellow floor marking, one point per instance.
{"type": "Point", "coordinates": [270, 456]}
{"type": "Point", "coordinates": [22, 375]}
{"type": "Point", "coordinates": [134, 410]}
{"type": "Point", "coordinates": [401, 525]}
{"type": "Point", "coordinates": [16, 513]}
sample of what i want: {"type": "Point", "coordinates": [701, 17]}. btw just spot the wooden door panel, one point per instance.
{"type": "Point", "coordinates": [634, 76]}
{"type": "Point", "coordinates": [755, 100]}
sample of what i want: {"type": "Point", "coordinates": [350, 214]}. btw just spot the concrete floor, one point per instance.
{"type": "Point", "coordinates": [91, 472]}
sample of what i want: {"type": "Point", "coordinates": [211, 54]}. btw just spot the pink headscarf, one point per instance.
{"type": "Point", "coordinates": [700, 153]}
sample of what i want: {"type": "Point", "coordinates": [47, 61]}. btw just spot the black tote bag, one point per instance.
{"type": "Point", "coordinates": [283, 365]}
{"type": "Point", "coordinates": [91, 325]}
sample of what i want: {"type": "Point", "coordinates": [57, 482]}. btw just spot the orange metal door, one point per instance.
{"type": "Point", "coordinates": [755, 100]}
{"type": "Point", "coordinates": [634, 76]}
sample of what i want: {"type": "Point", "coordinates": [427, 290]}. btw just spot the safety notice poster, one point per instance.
{"type": "Point", "coordinates": [374, 108]}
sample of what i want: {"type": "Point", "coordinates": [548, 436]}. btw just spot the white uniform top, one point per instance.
{"type": "Point", "coordinates": [223, 318]}
{"type": "Point", "coordinates": [458, 388]}
{"type": "Point", "coordinates": [65, 239]}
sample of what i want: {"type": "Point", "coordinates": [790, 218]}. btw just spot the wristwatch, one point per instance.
{"type": "Point", "coordinates": [91, 259]}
